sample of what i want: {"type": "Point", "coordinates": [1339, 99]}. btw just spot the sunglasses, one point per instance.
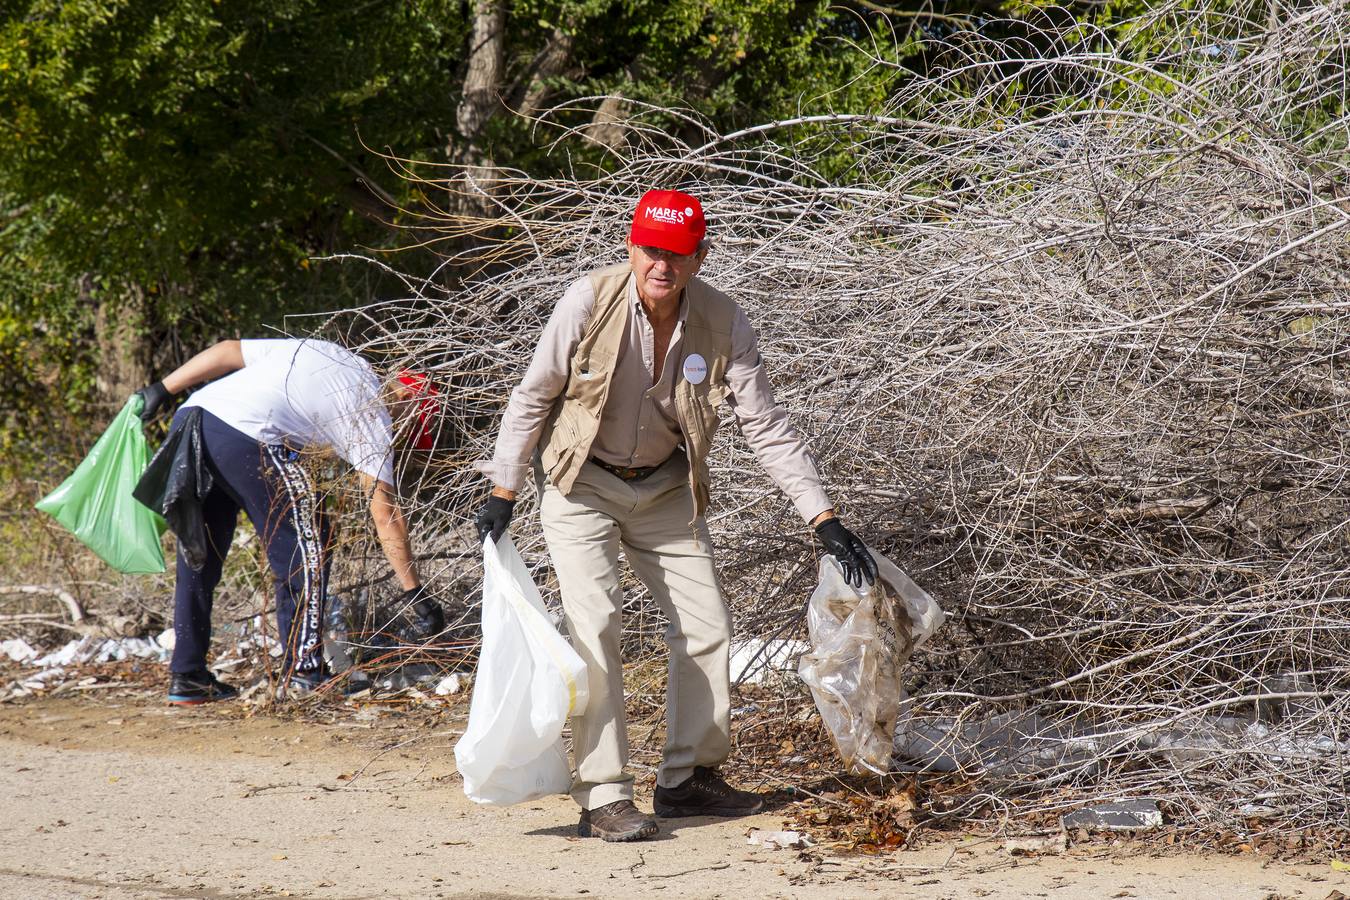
{"type": "Point", "coordinates": [662, 255]}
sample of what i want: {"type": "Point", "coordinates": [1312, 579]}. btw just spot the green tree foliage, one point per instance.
{"type": "Point", "coordinates": [168, 168]}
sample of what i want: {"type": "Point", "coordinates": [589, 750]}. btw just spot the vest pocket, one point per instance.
{"type": "Point", "coordinates": [706, 406]}
{"type": "Point", "coordinates": [567, 432]}
{"type": "Point", "coordinates": [589, 378]}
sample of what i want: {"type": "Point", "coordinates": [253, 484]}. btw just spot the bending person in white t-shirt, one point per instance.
{"type": "Point", "coordinates": [269, 403]}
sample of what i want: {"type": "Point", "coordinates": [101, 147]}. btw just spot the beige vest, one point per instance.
{"type": "Point", "coordinates": [571, 427]}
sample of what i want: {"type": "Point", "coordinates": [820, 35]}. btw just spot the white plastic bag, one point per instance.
{"type": "Point", "coordinates": [860, 640]}
{"type": "Point", "coordinates": [529, 681]}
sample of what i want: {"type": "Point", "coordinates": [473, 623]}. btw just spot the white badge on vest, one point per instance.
{"type": "Point", "coordinates": [695, 368]}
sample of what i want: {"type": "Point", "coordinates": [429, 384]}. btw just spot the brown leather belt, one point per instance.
{"type": "Point", "coordinates": [627, 473]}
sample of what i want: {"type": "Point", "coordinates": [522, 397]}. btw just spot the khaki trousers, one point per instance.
{"type": "Point", "coordinates": [649, 521]}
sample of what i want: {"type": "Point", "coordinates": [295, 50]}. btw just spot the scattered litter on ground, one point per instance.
{"type": "Point", "coordinates": [407, 677]}
{"type": "Point", "coordinates": [1005, 744]}
{"type": "Point", "coordinates": [1037, 845]}
{"type": "Point", "coordinates": [1029, 743]}
{"type": "Point", "coordinates": [99, 650]}
{"type": "Point", "coordinates": [55, 666]}
{"type": "Point", "coordinates": [451, 684]}
{"type": "Point", "coordinates": [756, 660]}
{"type": "Point", "coordinates": [779, 840]}
{"type": "Point", "coordinates": [27, 684]}
{"type": "Point", "coordinates": [241, 644]}
{"type": "Point", "coordinates": [18, 650]}
{"type": "Point", "coordinates": [1123, 815]}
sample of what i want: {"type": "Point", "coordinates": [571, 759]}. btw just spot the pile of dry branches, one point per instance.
{"type": "Point", "coordinates": [1065, 327]}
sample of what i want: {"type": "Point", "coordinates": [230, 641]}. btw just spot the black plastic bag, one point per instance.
{"type": "Point", "coordinates": [177, 483]}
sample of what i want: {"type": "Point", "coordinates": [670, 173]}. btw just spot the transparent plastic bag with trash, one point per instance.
{"type": "Point", "coordinates": [860, 641]}
{"type": "Point", "coordinates": [529, 680]}
{"type": "Point", "coordinates": [96, 503]}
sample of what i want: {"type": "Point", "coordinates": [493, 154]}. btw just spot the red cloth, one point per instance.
{"type": "Point", "coordinates": [669, 220]}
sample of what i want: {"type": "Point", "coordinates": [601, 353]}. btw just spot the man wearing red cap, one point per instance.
{"type": "Point", "coordinates": [620, 402]}
{"type": "Point", "coordinates": [241, 438]}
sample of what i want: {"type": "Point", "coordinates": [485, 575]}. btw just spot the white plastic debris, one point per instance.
{"type": "Point", "coordinates": [28, 684]}
{"type": "Point", "coordinates": [52, 665]}
{"type": "Point", "coordinates": [18, 650]}
{"type": "Point", "coordinates": [757, 660]}
{"type": "Point", "coordinates": [166, 639]}
{"type": "Point", "coordinates": [98, 650]}
{"type": "Point", "coordinates": [75, 651]}
{"type": "Point", "coordinates": [1029, 742]}
{"type": "Point", "coordinates": [1011, 743]}
{"type": "Point", "coordinates": [450, 684]}
{"type": "Point", "coordinates": [779, 840]}
{"type": "Point", "coordinates": [253, 633]}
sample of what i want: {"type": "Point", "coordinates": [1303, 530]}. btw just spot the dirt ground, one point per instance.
{"type": "Point", "coordinates": [113, 795]}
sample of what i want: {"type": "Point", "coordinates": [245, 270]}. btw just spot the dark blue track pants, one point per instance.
{"type": "Point", "coordinates": [273, 488]}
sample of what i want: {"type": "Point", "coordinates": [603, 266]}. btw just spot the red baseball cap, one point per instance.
{"type": "Point", "coordinates": [427, 398]}
{"type": "Point", "coordinates": [670, 220]}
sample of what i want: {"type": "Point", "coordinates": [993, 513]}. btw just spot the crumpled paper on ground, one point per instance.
{"type": "Point", "coordinates": [52, 666]}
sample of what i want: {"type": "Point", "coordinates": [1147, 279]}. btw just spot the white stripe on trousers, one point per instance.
{"type": "Point", "coordinates": [309, 540]}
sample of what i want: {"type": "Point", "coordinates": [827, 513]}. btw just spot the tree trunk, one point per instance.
{"type": "Point", "coordinates": [123, 345]}
{"type": "Point", "coordinates": [479, 101]}
{"type": "Point", "coordinates": [606, 125]}
{"type": "Point", "coordinates": [479, 98]}
{"type": "Point", "coordinates": [532, 90]}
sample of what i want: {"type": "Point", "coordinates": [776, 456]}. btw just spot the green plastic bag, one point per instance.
{"type": "Point", "coordinates": [95, 502]}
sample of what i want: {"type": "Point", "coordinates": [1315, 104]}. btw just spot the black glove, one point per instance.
{"type": "Point", "coordinates": [494, 517]}
{"type": "Point", "coordinates": [154, 396]}
{"type": "Point", "coordinates": [424, 615]}
{"type": "Point", "coordinates": [844, 546]}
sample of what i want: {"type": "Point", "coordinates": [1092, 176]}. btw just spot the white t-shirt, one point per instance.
{"type": "Point", "coordinates": [310, 394]}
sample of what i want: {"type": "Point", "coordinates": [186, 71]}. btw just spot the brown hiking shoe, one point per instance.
{"type": "Point", "coordinates": [705, 793]}
{"type": "Point", "coordinates": [617, 821]}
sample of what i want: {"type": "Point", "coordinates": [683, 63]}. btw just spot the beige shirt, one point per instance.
{"type": "Point", "coordinates": [638, 426]}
